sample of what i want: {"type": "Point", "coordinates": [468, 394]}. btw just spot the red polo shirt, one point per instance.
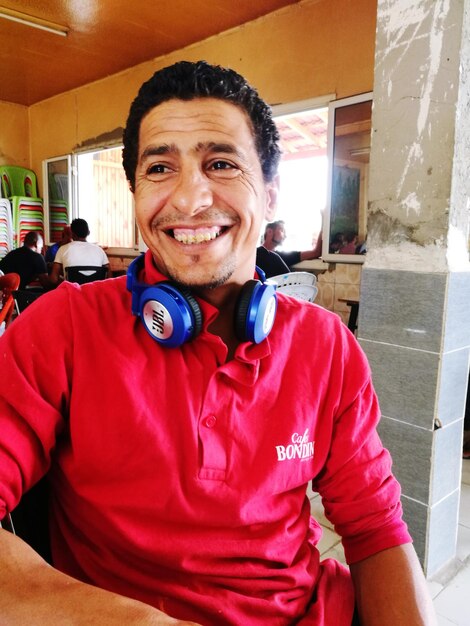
{"type": "Point", "coordinates": [180, 479]}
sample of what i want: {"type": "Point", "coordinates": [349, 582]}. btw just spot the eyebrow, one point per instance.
{"type": "Point", "coordinates": [203, 146]}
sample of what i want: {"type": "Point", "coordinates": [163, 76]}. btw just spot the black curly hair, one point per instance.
{"type": "Point", "coordinates": [185, 81]}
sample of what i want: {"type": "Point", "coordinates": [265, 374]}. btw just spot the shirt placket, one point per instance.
{"type": "Point", "coordinates": [213, 428]}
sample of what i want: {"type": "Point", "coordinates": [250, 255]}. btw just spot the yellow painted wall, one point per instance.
{"type": "Point", "coordinates": [310, 49]}
{"type": "Point", "coordinates": [14, 135]}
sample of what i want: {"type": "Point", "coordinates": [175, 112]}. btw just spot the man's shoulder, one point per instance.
{"type": "Point", "coordinates": [270, 262]}
{"type": "Point", "coordinates": [90, 298]}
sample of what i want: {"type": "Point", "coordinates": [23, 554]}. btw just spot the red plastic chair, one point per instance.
{"type": "Point", "coordinates": [8, 283]}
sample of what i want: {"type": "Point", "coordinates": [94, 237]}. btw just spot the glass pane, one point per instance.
{"type": "Point", "coordinates": [303, 176]}
{"type": "Point", "coordinates": [347, 224]}
{"type": "Point", "coordinates": [104, 199]}
{"type": "Point", "coordinates": [58, 196]}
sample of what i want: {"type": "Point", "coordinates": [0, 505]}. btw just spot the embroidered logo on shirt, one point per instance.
{"type": "Point", "coordinates": [299, 448]}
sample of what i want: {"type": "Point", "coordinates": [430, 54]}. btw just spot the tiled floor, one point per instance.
{"type": "Point", "coordinates": [450, 590]}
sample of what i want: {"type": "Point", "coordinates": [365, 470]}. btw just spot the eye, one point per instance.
{"type": "Point", "coordinates": [156, 171]}
{"type": "Point", "coordinates": [156, 168]}
{"type": "Point", "coordinates": [222, 167]}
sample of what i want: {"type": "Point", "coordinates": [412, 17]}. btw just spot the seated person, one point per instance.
{"type": "Point", "coordinates": [275, 235]}
{"type": "Point", "coordinates": [28, 262]}
{"type": "Point", "coordinates": [270, 262]}
{"type": "Point", "coordinates": [78, 252]}
{"type": "Point", "coordinates": [51, 251]}
{"type": "Point", "coordinates": [338, 241]}
{"type": "Point", "coordinates": [350, 244]}
{"type": "Point", "coordinates": [178, 462]}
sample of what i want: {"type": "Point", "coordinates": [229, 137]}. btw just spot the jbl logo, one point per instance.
{"type": "Point", "coordinates": [158, 321]}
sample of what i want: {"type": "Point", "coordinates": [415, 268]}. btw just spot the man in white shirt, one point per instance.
{"type": "Point", "coordinates": [78, 252]}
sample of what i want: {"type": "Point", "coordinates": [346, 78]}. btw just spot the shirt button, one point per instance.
{"type": "Point", "coordinates": [210, 421]}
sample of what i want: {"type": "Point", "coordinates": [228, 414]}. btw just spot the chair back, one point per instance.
{"type": "Point", "coordinates": [18, 181]}
{"type": "Point", "coordinates": [300, 285]}
{"type": "Point", "coordinates": [24, 297]}
{"type": "Point", "coordinates": [6, 227]}
{"type": "Point", "coordinates": [30, 519]}
{"type": "Point", "coordinates": [8, 283]}
{"type": "Point", "coordinates": [82, 274]}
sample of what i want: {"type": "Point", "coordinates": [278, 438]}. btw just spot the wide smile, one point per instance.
{"type": "Point", "coordinates": [194, 236]}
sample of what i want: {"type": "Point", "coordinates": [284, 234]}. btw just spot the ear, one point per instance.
{"type": "Point", "coordinates": [272, 195]}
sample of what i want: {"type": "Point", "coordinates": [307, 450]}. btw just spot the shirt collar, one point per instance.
{"type": "Point", "coordinates": [246, 351]}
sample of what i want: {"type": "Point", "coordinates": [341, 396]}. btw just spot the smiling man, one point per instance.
{"type": "Point", "coordinates": [190, 406]}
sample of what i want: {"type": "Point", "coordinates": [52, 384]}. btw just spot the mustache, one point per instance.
{"type": "Point", "coordinates": [210, 215]}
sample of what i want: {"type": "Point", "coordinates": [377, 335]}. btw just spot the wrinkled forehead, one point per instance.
{"type": "Point", "coordinates": [206, 113]}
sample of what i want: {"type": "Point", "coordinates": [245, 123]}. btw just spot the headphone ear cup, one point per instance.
{"type": "Point", "coordinates": [171, 315]}
{"type": "Point", "coordinates": [255, 311]}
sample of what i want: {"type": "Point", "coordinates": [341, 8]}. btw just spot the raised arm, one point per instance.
{"type": "Point", "coordinates": [391, 589]}
{"type": "Point", "coordinates": [33, 592]}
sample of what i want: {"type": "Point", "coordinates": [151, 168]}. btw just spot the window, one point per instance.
{"type": "Point", "coordinates": [303, 171]}
{"type": "Point", "coordinates": [349, 138]}
{"type": "Point", "coordinates": [57, 196]}
{"type": "Point", "coordinates": [324, 175]}
{"type": "Point", "coordinates": [104, 199]}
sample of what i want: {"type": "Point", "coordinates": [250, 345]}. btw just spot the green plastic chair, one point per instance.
{"type": "Point", "coordinates": [19, 185]}
{"type": "Point", "coordinates": [18, 181]}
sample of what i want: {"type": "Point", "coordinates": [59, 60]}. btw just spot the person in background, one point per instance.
{"type": "Point", "coordinates": [78, 252]}
{"type": "Point", "coordinates": [270, 262]}
{"type": "Point", "coordinates": [66, 237]}
{"type": "Point", "coordinates": [275, 235]}
{"type": "Point", "coordinates": [350, 244]}
{"type": "Point", "coordinates": [28, 262]}
{"type": "Point", "coordinates": [179, 444]}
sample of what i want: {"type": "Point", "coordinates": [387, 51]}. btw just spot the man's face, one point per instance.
{"type": "Point", "coordinates": [279, 235]}
{"type": "Point", "coordinates": [200, 197]}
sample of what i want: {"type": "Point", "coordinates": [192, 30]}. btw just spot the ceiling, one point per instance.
{"type": "Point", "coordinates": [105, 37]}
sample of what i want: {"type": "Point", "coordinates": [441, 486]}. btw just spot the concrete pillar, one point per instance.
{"type": "Point", "coordinates": [414, 318]}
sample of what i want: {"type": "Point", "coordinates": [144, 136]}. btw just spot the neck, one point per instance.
{"type": "Point", "coordinates": [270, 245]}
{"type": "Point", "coordinates": [224, 299]}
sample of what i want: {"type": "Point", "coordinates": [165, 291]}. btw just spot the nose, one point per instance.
{"type": "Point", "coordinates": [192, 192]}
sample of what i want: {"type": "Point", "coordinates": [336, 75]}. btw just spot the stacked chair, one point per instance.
{"type": "Point", "coordinates": [19, 186]}
{"type": "Point", "coordinates": [299, 285]}
{"type": "Point", "coordinates": [58, 210]}
{"type": "Point", "coordinates": [6, 227]}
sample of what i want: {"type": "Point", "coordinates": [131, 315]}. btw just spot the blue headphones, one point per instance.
{"type": "Point", "coordinates": [172, 315]}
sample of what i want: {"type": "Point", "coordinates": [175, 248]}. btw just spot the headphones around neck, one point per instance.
{"type": "Point", "coordinates": [172, 315]}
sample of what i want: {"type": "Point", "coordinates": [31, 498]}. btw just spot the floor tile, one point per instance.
{"type": "Point", "coordinates": [328, 540]}
{"type": "Point", "coordinates": [452, 602]}
{"type": "Point", "coordinates": [463, 543]}
{"type": "Point", "coordinates": [434, 588]}
{"type": "Point", "coordinates": [443, 621]}
{"type": "Point", "coordinates": [318, 513]}
{"type": "Point", "coordinates": [336, 552]}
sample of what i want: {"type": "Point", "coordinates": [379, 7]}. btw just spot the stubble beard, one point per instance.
{"type": "Point", "coordinates": [220, 277]}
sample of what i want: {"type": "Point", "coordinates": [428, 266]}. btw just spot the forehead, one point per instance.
{"type": "Point", "coordinates": [184, 119]}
